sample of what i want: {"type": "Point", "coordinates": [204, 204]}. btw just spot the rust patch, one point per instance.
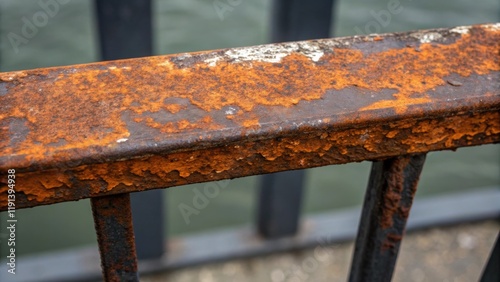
{"type": "Point", "coordinates": [115, 235]}
{"type": "Point", "coordinates": [396, 201]}
{"type": "Point", "coordinates": [391, 242]}
{"type": "Point", "coordinates": [249, 157]}
{"type": "Point", "coordinates": [393, 195]}
{"type": "Point", "coordinates": [155, 122]}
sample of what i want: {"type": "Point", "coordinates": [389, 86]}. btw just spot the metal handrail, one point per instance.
{"type": "Point", "coordinates": [104, 130]}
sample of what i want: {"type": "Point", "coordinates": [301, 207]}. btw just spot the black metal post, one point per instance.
{"type": "Point", "coordinates": [125, 28]}
{"type": "Point", "coordinates": [279, 203]}
{"type": "Point", "coordinates": [115, 235]}
{"type": "Point", "coordinates": [491, 272]}
{"type": "Point", "coordinates": [301, 20]}
{"type": "Point", "coordinates": [280, 194]}
{"type": "Point", "coordinates": [388, 200]}
{"type": "Point", "coordinates": [125, 31]}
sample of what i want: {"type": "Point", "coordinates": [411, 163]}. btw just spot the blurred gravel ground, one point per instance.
{"type": "Point", "coordinates": [457, 253]}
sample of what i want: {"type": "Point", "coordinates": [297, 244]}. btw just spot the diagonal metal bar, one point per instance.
{"type": "Point", "coordinates": [491, 272]}
{"type": "Point", "coordinates": [123, 126]}
{"type": "Point", "coordinates": [388, 200]}
{"type": "Point", "coordinates": [115, 235]}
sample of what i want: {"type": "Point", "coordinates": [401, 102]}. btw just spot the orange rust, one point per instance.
{"type": "Point", "coordinates": [174, 108]}
{"type": "Point", "coordinates": [341, 145]}
{"type": "Point", "coordinates": [82, 107]}
{"type": "Point", "coordinates": [115, 235]}
{"type": "Point", "coordinates": [391, 134]}
{"type": "Point", "coordinates": [392, 197]}
{"type": "Point", "coordinates": [250, 122]}
{"type": "Point", "coordinates": [391, 241]}
{"type": "Point", "coordinates": [173, 127]}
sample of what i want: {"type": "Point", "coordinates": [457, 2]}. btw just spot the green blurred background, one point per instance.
{"type": "Point", "coordinates": [191, 25]}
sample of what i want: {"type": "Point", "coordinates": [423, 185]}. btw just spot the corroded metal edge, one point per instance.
{"type": "Point", "coordinates": [70, 116]}
{"type": "Point", "coordinates": [372, 142]}
{"type": "Point", "coordinates": [156, 122]}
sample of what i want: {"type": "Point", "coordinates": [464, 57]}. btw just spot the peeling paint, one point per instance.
{"type": "Point", "coordinates": [461, 29]}
{"type": "Point", "coordinates": [272, 53]}
{"type": "Point", "coordinates": [426, 37]}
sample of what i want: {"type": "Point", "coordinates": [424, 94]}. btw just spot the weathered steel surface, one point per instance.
{"type": "Point", "coordinates": [387, 204]}
{"type": "Point", "coordinates": [113, 127]}
{"type": "Point", "coordinates": [115, 235]}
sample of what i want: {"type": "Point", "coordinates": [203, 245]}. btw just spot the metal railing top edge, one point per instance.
{"type": "Point", "coordinates": [123, 126]}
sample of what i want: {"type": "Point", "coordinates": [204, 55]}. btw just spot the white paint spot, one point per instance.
{"type": "Point", "coordinates": [213, 61]}
{"type": "Point", "coordinates": [493, 27]}
{"type": "Point", "coordinates": [231, 111]}
{"type": "Point", "coordinates": [121, 140]}
{"type": "Point", "coordinates": [426, 37]}
{"type": "Point", "coordinates": [315, 122]}
{"type": "Point", "coordinates": [115, 67]}
{"type": "Point", "coordinates": [166, 63]}
{"type": "Point", "coordinates": [461, 29]}
{"type": "Point", "coordinates": [274, 53]}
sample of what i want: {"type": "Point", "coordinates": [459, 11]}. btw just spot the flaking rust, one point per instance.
{"type": "Point", "coordinates": [115, 235]}
{"type": "Point", "coordinates": [391, 204]}
{"type": "Point", "coordinates": [129, 125]}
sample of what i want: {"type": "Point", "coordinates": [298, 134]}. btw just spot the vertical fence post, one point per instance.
{"type": "Point", "coordinates": [115, 235]}
{"type": "Point", "coordinates": [387, 204]}
{"type": "Point", "coordinates": [280, 194]}
{"type": "Point", "coordinates": [301, 19]}
{"type": "Point", "coordinates": [279, 203]}
{"type": "Point", "coordinates": [125, 28]}
{"type": "Point", "coordinates": [125, 31]}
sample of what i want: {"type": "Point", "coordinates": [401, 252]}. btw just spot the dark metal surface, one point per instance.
{"type": "Point", "coordinates": [279, 204]}
{"type": "Point", "coordinates": [122, 126]}
{"type": "Point", "coordinates": [125, 31]}
{"type": "Point", "coordinates": [149, 223]}
{"type": "Point", "coordinates": [387, 204]}
{"type": "Point", "coordinates": [301, 19]}
{"type": "Point", "coordinates": [115, 235]}
{"type": "Point", "coordinates": [125, 28]}
{"type": "Point", "coordinates": [491, 271]}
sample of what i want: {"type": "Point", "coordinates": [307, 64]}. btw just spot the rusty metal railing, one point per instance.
{"type": "Point", "coordinates": [104, 130]}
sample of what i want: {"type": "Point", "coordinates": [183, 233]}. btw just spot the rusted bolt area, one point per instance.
{"type": "Point", "coordinates": [90, 130]}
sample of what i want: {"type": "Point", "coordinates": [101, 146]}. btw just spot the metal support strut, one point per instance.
{"type": "Point", "coordinates": [115, 235]}
{"type": "Point", "coordinates": [388, 200]}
